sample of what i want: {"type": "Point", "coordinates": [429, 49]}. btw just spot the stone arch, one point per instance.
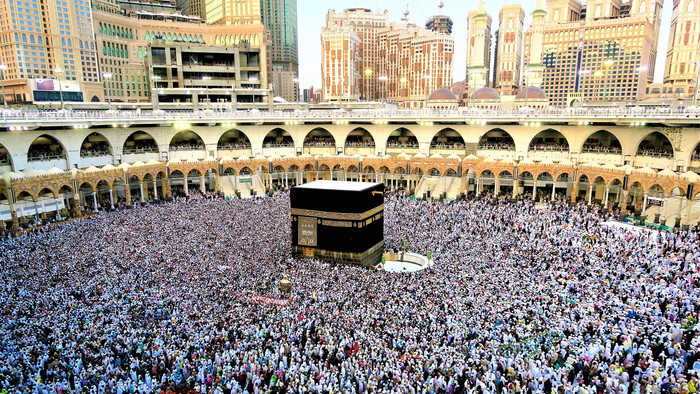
{"type": "Point", "coordinates": [233, 139]}
{"type": "Point", "coordinates": [447, 138]}
{"type": "Point", "coordinates": [245, 171]}
{"type": "Point", "coordinates": [46, 190]}
{"type": "Point", "coordinates": [140, 142]}
{"type": "Point", "coordinates": [5, 158]}
{"type": "Point", "coordinates": [277, 138]}
{"type": "Point", "coordinates": [526, 176]}
{"type": "Point", "coordinates": [549, 140]}
{"type": "Point", "coordinates": [384, 170]}
{"type": "Point", "coordinates": [655, 144]}
{"type": "Point", "coordinates": [694, 154]}
{"type": "Point", "coordinates": [496, 139]}
{"type": "Point", "coordinates": [319, 137]}
{"type": "Point", "coordinates": [402, 138]}
{"type": "Point", "coordinates": [601, 141]}
{"type": "Point", "coordinates": [46, 147]}
{"type": "Point", "coordinates": [95, 144]}
{"type": "Point", "coordinates": [505, 174]}
{"type": "Point", "coordinates": [359, 138]}
{"type": "Point", "coordinates": [228, 170]}
{"type": "Point", "coordinates": [186, 140]}
{"type": "Point", "coordinates": [545, 176]}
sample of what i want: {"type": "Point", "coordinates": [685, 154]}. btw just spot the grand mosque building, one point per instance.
{"type": "Point", "coordinates": [635, 162]}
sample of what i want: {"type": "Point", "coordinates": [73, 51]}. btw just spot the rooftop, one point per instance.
{"type": "Point", "coordinates": [338, 185]}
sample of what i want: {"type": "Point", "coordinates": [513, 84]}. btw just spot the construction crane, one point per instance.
{"type": "Point", "coordinates": [407, 11]}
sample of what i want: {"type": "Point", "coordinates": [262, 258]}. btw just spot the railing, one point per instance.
{"type": "Point", "coordinates": [45, 158]}
{"type": "Point", "coordinates": [540, 148]}
{"type": "Point", "coordinates": [661, 155]}
{"type": "Point", "coordinates": [186, 148]}
{"type": "Point", "coordinates": [234, 146]}
{"type": "Point", "coordinates": [461, 114]}
{"type": "Point", "coordinates": [602, 150]}
{"type": "Point", "coordinates": [128, 151]}
{"type": "Point", "coordinates": [496, 147]}
{"type": "Point", "coordinates": [290, 145]}
{"type": "Point", "coordinates": [94, 154]}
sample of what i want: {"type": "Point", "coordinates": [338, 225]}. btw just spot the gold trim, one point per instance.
{"type": "Point", "coordinates": [336, 215]}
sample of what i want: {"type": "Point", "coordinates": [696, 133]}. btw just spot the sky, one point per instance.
{"type": "Point", "coordinates": [311, 19]}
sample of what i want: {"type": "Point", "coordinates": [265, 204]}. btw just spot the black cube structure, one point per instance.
{"type": "Point", "coordinates": [338, 221]}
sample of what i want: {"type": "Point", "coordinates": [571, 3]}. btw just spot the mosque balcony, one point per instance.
{"type": "Point", "coordinates": [188, 154]}
{"type": "Point", "coordinates": [363, 151]}
{"type": "Point", "coordinates": [446, 151]}
{"type": "Point", "coordinates": [602, 158]}
{"type": "Point", "coordinates": [135, 155]}
{"type": "Point", "coordinates": [234, 152]}
{"type": "Point", "coordinates": [320, 150]}
{"type": "Point", "coordinates": [96, 160]}
{"type": "Point", "coordinates": [497, 154]}
{"type": "Point", "coordinates": [548, 154]}
{"type": "Point", "coordinates": [271, 150]}
{"type": "Point", "coordinates": [658, 162]}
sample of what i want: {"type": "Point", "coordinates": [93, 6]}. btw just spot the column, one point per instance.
{"type": "Point", "coordinates": [590, 194]}
{"type": "Point", "coordinates": [165, 191]}
{"type": "Point", "coordinates": [534, 189]}
{"type": "Point", "coordinates": [689, 210]}
{"type": "Point", "coordinates": [202, 187]}
{"type": "Point", "coordinates": [497, 187]}
{"type": "Point", "coordinates": [516, 186]}
{"type": "Point", "coordinates": [623, 201]}
{"type": "Point", "coordinates": [478, 186]}
{"type": "Point", "coordinates": [143, 197]}
{"type": "Point", "coordinates": [663, 213]}
{"type": "Point", "coordinates": [286, 180]}
{"type": "Point", "coordinates": [554, 189]}
{"type": "Point", "coordinates": [58, 208]}
{"type": "Point", "coordinates": [574, 191]}
{"type": "Point", "coordinates": [187, 192]}
{"type": "Point", "coordinates": [155, 190]}
{"type": "Point", "coordinates": [94, 200]}
{"type": "Point", "coordinates": [43, 209]}
{"type": "Point", "coordinates": [111, 199]}
{"type": "Point", "coordinates": [15, 221]}
{"type": "Point", "coordinates": [644, 204]}
{"type": "Point", "coordinates": [607, 196]}
{"type": "Point", "coordinates": [36, 210]}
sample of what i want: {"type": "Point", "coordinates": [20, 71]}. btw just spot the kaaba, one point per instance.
{"type": "Point", "coordinates": [338, 221]}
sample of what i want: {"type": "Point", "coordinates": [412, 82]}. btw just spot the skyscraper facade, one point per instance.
{"type": "Point", "coordinates": [340, 63]}
{"type": "Point", "coordinates": [478, 49]}
{"type": "Point", "coordinates": [49, 51]}
{"type": "Point", "coordinates": [280, 18]}
{"type": "Point", "coordinates": [416, 62]}
{"type": "Point", "coordinates": [608, 55]}
{"type": "Point", "coordinates": [366, 25]}
{"type": "Point", "coordinates": [509, 50]}
{"type": "Point", "coordinates": [683, 56]}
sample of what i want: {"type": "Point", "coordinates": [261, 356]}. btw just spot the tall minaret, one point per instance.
{"type": "Point", "coordinates": [683, 51]}
{"type": "Point", "coordinates": [534, 48]}
{"type": "Point", "coordinates": [478, 48]}
{"type": "Point", "coordinates": [651, 9]}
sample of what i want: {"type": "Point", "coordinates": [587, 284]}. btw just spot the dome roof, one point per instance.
{"type": "Point", "coordinates": [531, 93]}
{"type": "Point", "coordinates": [486, 93]}
{"type": "Point", "coordinates": [442, 94]}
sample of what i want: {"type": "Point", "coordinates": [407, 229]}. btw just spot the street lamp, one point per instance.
{"type": "Point", "coordinates": [368, 75]}
{"type": "Point", "coordinates": [206, 78]}
{"type": "Point", "coordinates": [2, 78]}
{"type": "Point", "coordinates": [403, 80]}
{"type": "Point", "coordinates": [105, 77]}
{"type": "Point", "coordinates": [58, 73]}
{"type": "Point", "coordinates": [426, 77]}
{"type": "Point", "coordinates": [383, 78]}
{"type": "Point", "coordinates": [298, 91]}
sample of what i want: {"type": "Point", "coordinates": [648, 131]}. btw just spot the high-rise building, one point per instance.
{"type": "Point", "coordinates": [280, 18]}
{"type": "Point", "coordinates": [683, 56]}
{"type": "Point", "coordinates": [478, 49]}
{"type": "Point", "coordinates": [509, 49]}
{"type": "Point", "coordinates": [440, 24]}
{"type": "Point", "coordinates": [49, 51]}
{"type": "Point", "coordinates": [416, 62]}
{"type": "Point", "coordinates": [606, 58]}
{"type": "Point", "coordinates": [366, 24]}
{"type": "Point", "coordinates": [340, 63]}
{"type": "Point", "coordinates": [534, 44]}
{"type": "Point", "coordinates": [123, 37]}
